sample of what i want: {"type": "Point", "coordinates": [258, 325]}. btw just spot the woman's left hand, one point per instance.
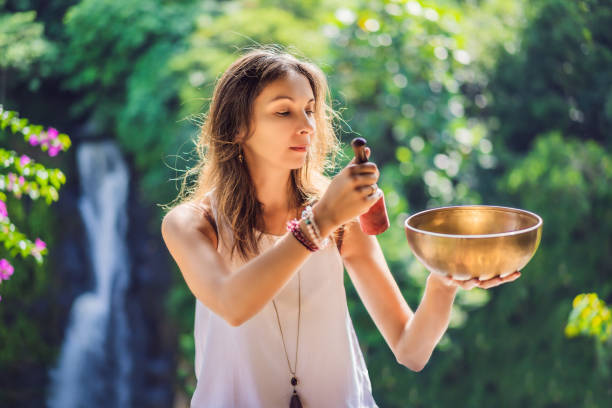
{"type": "Point", "coordinates": [475, 282]}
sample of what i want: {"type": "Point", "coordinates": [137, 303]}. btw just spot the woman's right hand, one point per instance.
{"type": "Point", "coordinates": [351, 193]}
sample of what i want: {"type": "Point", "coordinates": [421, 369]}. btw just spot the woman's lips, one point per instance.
{"type": "Point", "coordinates": [298, 149]}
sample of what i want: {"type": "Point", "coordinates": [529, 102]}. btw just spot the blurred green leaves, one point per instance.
{"type": "Point", "coordinates": [409, 104]}
{"type": "Point", "coordinates": [560, 78]}
{"type": "Point", "coordinates": [216, 42]}
{"type": "Point", "coordinates": [590, 316]}
{"type": "Point", "coordinates": [21, 40]}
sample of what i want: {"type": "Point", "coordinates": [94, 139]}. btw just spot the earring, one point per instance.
{"type": "Point", "coordinates": [240, 157]}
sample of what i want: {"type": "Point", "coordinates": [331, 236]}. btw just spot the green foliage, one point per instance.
{"type": "Point", "coordinates": [590, 316]}
{"type": "Point", "coordinates": [117, 57]}
{"type": "Point", "coordinates": [564, 58]}
{"type": "Point", "coordinates": [31, 322]}
{"type": "Point", "coordinates": [512, 330]}
{"type": "Point", "coordinates": [410, 108]}
{"type": "Point", "coordinates": [108, 32]}
{"type": "Point", "coordinates": [21, 40]}
{"type": "Point", "coordinates": [26, 54]}
{"type": "Point", "coordinates": [216, 42]}
{"type": "Point", "coordinates": [180, 304]}
{"type": "Point", "coordinates": [16, 243]}
{"type": "Point", "coordinates": [24, 175]}
{"type": "Point", "coordinates": [28, 313]}
{"type": "Point", "coordinates": [560, 78]}
{"type": "Point", "coordinates": [25, 341]}
{"type": "Point", "coordinates": [521, 329]}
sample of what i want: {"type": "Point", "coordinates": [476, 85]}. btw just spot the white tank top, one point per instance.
{"type": "Point", "coordinates": [246, 366]}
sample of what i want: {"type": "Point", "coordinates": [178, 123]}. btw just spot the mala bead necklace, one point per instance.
{"type": "Point", "coordinates": [294, 227]}
{"type": "Point", "coordinates": [295, 399]}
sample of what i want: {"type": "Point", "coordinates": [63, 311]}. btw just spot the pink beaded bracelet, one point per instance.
{"type": "Point", "coordinates": [294, 227]}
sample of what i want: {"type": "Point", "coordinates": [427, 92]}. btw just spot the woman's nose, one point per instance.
{"type": "Point", "coordinates": [307, 125]}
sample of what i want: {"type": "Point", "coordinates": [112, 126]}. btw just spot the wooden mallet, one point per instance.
{"type": "Point", "coordinates": [376, 220]}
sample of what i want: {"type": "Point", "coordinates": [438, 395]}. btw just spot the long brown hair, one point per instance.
{"type": "Point", "coordinates": [218, 149]}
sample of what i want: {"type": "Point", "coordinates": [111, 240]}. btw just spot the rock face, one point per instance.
{"type": "Point", "coordinates": [151, 277]}
{"type": "Point", "coordinates": [117, 350]}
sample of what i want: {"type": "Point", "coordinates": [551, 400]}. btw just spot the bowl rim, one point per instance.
{"type": "Point", "coordinates": [489, 207]}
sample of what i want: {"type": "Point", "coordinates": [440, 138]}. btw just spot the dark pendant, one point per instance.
{"type": "Point", "coordinates": [294, 381]}
{"type": "Point", "coordinates": [295, 401]}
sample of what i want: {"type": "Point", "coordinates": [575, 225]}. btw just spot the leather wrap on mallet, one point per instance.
{"type": "Point", "coordinates": [376, 220]}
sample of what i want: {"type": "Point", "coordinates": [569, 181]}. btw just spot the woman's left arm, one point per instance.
{"type": "Point", "coordinates": [412, 336]}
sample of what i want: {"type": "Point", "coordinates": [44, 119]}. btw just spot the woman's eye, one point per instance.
{"type": "Point", "coordinates": [287, 113]}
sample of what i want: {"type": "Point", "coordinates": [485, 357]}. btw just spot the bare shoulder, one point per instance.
{"type": "Point", "coordinates": [189, 219]}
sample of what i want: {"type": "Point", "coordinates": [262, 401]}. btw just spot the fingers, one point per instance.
{"type": "Point", "coordinates": [490, 283]}
{"type": "Point", "coordinates": [368, 189]}
{"type": "Point", "coordinates": [463, 284]}
{"type": "Point", "coordinates": [467, 284]}
{"type": "Point", "coordinates": [368, 167]}
{"type": "Point", "coordinates": [362, 180]}
{"type": "Point", "coordinates": [486, 284]}
{"type": "Point", "coordinates": [367, 152]}
{"type": "Point", "coordinates": [475, 282]}
{"type": "Point", "coordinates": [363, 174]}
{"type": "Point", "coordinates": [375, 195]}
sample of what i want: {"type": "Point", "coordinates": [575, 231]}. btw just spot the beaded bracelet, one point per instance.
{"type": "Point", "coordinates": [311, 232]}
{"type": "Point", "coordinates": [308, 216]}
{"type": "Point", "coordinates": [309, 225]}
{"type": "Point", "coordinates": [294, 227]}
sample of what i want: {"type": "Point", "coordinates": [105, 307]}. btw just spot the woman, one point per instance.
{"type": "Point", "coordinates": [269, 292]}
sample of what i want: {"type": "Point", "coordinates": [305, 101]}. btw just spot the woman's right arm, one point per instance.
{"type": "Point", "coordinates": [238, 296]}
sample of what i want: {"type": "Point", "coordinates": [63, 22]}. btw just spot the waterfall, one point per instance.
{"type": "Point", "coordinates": [94, 368]}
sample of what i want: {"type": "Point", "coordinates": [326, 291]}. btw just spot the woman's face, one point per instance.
{"type": "Point", "coordinates": [283, 124]}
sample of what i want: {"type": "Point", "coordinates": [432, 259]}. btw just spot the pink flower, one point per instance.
{"type": "Point", "coordinates": [6, 269]}
{"type": "Point", "coordinates": [53, 150]}
{"type": "Point", "coordinates": [40, 244]}
{"type": "Point", "coordinates": [23, 160]}
{"type": "Point", "coordinates": [52, 133]}
{"type": "Point", "coordinates": [33, 140]}
{"type": "Point", "coordinates": [11, 183]}
{"type": "Point", "coordinates": [3, 212]}
{"type": "Point", "coordinates": [21, 180]}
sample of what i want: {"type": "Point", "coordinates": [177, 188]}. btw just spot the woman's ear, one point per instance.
{"type": "Point", "coordinates": [240, 137]}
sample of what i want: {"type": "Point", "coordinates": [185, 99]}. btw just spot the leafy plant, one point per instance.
{"type": "Point", "coordinates": [22, 175]}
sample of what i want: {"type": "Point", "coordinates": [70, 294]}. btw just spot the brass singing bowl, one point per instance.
{"type": "Point", "coordinates": [474, 241]}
